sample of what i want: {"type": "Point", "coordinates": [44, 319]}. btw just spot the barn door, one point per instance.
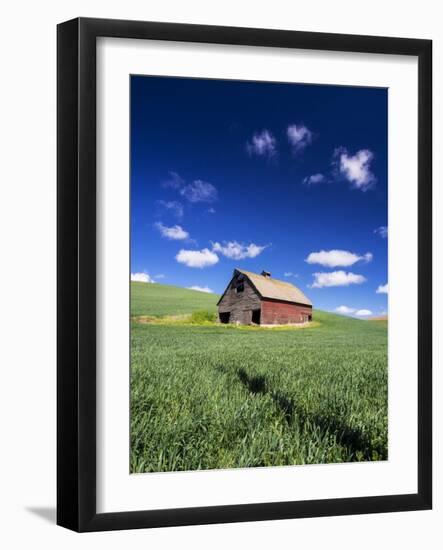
{"type": "Point", "coordinates": [256, 315]}
{"type": "Point", "coordinates": [224, 317]}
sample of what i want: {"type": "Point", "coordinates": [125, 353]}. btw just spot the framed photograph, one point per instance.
{"type": "Point", "coordinates": [244, 274]}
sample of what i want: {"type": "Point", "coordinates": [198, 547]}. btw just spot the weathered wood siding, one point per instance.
{"type": "Point", "coordinates": [240, 305]}
{"type": "Point", "coordinates": [280, 313]}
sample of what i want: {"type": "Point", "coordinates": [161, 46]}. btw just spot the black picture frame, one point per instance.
{"type": "Point", "coordinates": [76, 282]}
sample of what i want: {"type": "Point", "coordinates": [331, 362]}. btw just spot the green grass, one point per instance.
{"type": "Point", "coordinates": [158, 300]}
{"type": "Point", "coordinates": [204, 396]}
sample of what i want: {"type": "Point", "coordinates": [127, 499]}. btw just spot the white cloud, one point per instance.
{"type": "Point", "coordinates": [199, 191]}
{"type": "Point", "coordinates": [262, 144]}
{"type": "Point", "coordinates": [175, 233]}
{"type": "Point", "coordinates": [336, 258]}
{"type": "Point", "coordinates": [142, 278]}
{"type": "Point", "coordinates": [299, 137]}
{"type": "Point", "coordinates": [201, 289]}
{"type": "Point", "coordinates": [238, 251]}
{"type": "Point", "coordinates": [382, 231]}
{"type": "Point", "coordinates": [159, 276]}
{"type": "Point", "coordinates": [336, 278]}
{"type": "Point", "coordinates": [382, 289]}
{"type": "Point", "coordinates": [174, 181]}
{"type": "Point", "coordinates": [357, 168]}
{"type": "Point", "coordinates": [363, 312]}
{"type": "Point", "coordinates": [345, 310]}
{"type": "Point", "coordinates": [314, 179]}
{"type": "Point", "coordinates": [174, 207]}
{"type": "Point", "coordinates": [197, 258]}
{"type": "Point", "coordinates": [290, 274]}
{"type": "Point", "coordinates": [211, 210]}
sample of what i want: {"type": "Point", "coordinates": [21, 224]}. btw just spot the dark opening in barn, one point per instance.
{"type": "Point", "coordinates": [251, 298]}
{"type": "Point", "coordinates": [256, 316]}
{"type": "Point", "coordinates": [224, 317]}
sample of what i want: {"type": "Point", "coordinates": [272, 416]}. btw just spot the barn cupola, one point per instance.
{"type": "Point", "coordinates": [266, 274]}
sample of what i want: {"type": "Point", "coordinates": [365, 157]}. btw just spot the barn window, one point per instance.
{"type": "Point", "coordinates": [238, 283]}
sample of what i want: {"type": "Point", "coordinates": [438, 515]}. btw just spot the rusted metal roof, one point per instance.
{"type": "Point", "coordinates": [268, 287]}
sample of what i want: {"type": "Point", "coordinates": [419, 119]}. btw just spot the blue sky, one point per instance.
{"type": "Point", "coordinates": [290, 178]}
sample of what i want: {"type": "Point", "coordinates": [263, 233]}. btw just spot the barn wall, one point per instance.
{"type": "Point", "coordinates": [240, 305]}
{"type": "Point", "coordinates": [281, 313]}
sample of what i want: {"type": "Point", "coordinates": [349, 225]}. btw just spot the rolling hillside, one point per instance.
{"type": "Point", "coordinates": [158, 300]}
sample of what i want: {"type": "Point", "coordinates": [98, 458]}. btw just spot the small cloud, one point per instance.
{"type": "Point", "coordinates": [336, 278]}
{"type": "Point", "coordinates": [210, 210]}
{"type": "Point", "coordinates": [299, 137]}
{"type": "Point", "coordinates": [363, 312]}
{"type": "Point", "coordinates": [175, 207]}
{"type": "Point", "coordinates": [159, 276]}
{"type": "Point", "coordinates": [356, 168]}
{"type": "Point", "coordinates": [336, 258]}
{"type": "Point", "coordinates": [345, 310]}
{"type": "Point", "coordinates": [314, 179]}
{"type": "Point", "coordinates": [141, 278]}
{"type": "Point", "coordinates": [382, 289]}
{"type": "Point", "coordinates": [199, 191]}
{"type": "Point", "coordinates": [382, 231]}
{"type": "Point", "coordinates": [262, 144]}
{"type": "Point", "coordinates": [174, 181]}
{"type": "Point", "coordinates": [201, 289]}
{"type": "Point", "coordinates": [174, 233]}
{"type": "Point", "coordinates": [290, 274]}
{"type": "Point", "coordinates": [197, 258]}
{"type": "Point", "coordinates": [238, 251]}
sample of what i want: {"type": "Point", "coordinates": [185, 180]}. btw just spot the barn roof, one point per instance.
{"type": "Point", "coordinates": [268, 287]}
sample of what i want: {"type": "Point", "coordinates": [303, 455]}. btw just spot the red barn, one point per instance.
{"type": "Point", "coordinates": [259, 299]}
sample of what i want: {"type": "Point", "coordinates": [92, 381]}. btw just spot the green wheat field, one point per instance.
{"type": "Point", "coordinates": [207, 396]}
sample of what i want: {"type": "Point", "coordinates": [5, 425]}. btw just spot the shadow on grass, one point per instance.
{"type": "Point", "coordinates": [358, 443]}
{"type": "Point", "coordinates": [255, 384]}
